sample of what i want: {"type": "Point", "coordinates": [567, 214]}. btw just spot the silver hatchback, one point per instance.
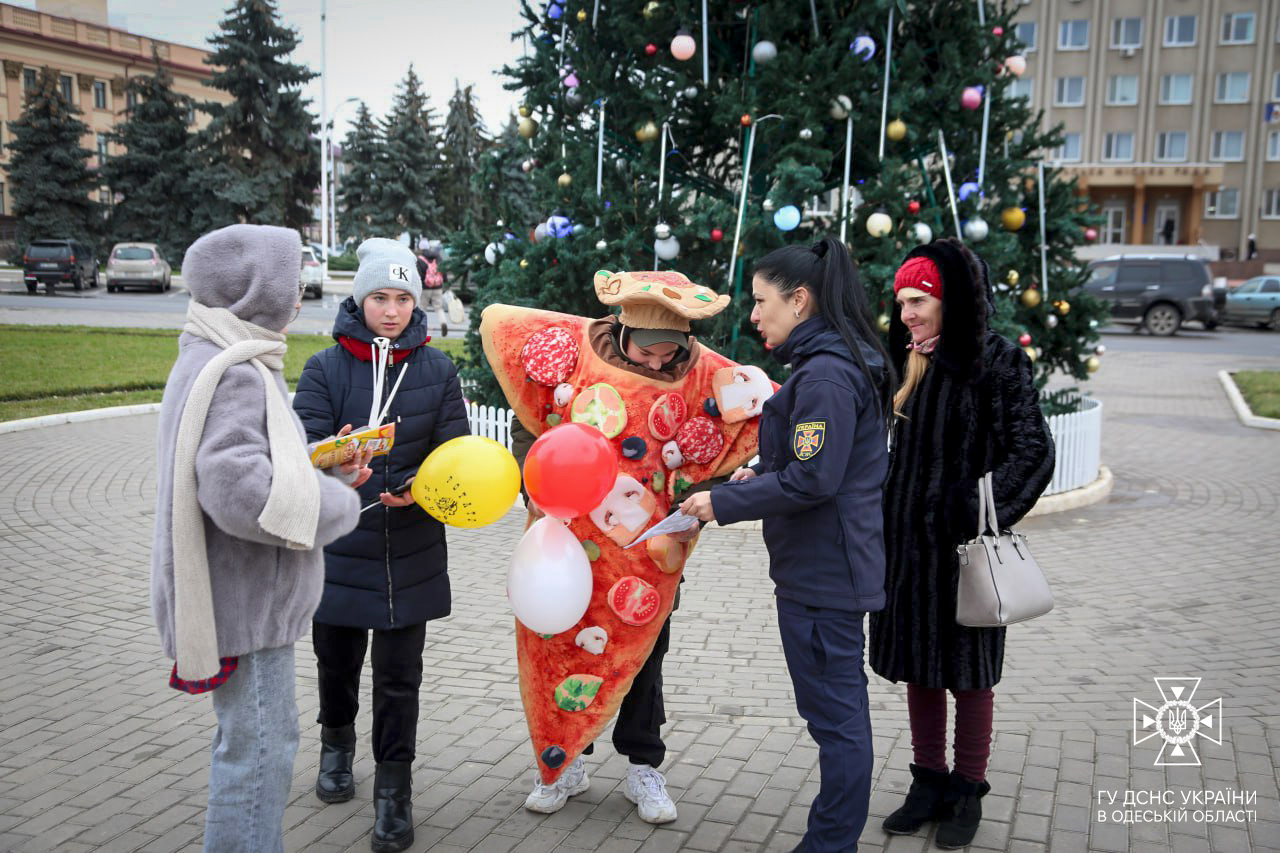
{"type": "Point", "coordinates": [138, 265]}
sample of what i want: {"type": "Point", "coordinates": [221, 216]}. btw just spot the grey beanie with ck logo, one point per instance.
{"type": "Point", "coordinates": [385, 265]}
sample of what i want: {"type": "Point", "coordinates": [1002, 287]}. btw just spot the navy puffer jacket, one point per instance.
{"type": "Point", "coordinates": [392, 570]}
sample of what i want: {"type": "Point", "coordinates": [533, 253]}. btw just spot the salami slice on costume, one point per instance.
{"type": "Point", "coordinates": [555, 368]}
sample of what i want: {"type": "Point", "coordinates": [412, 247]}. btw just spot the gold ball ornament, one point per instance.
{"type": "Point", "coordinates": [883, 323]}
{"type": "Point", "coordinates": [527, 127]}
{"type": "Point", "coordinates": [564, 181]}
{"type": "Point", "coordinates": [582, 16]}
{"type": "Point", "coordinates": [1012, 278]}
{"type": "Point", "coordinates": [1031, 297]}
{"type": "Point", "coordinates": [1062, 306]}
{"type": "Point", "coordinates": [524, 111]}
{"type": "Point", "coordinates": [647, 132]}
{"type": "Point", "coordinates": [1012, 218]}
{"type": "Point", "coordinates": [524, 263]}
{"type": "Point", "coordinates": [1092, 363]}
{"type": "Point", "coordinates": [651, 8]}
{"type": "Point", "coordinates": [1031, 353]}
{"type": "Point", "coordinates": [896, 130]}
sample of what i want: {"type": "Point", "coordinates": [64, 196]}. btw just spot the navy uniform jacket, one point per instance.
{"type": "Point", "coordinates": [819, 483]}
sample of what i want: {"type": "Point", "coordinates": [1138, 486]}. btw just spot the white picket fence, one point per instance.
{"type": "Point", "coordinates": [491, 422]}
{"type": "Point", "coordinates": [1077, 439]}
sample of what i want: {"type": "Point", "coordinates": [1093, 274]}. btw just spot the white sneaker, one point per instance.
{"type": "Point", "coordinates": [548, 799]}
{"type": "Point", "coordinates": [647, 788]}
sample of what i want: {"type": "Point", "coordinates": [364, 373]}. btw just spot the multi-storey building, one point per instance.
{"type": "Point", "coordinates": [1170, 111]}
{"type": "Point", "coordinates": [93, 62]}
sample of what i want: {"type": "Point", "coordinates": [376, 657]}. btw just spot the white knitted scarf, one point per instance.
{"type": "Point", "coordinates": [292, 510]}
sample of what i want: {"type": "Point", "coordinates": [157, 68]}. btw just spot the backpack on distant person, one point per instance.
{"type": "Point", "coordinates": [432, 279]}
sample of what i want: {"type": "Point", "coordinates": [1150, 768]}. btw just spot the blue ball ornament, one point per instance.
{"type": "Point", "coordinates": [555, 9]}
{"type": "Point", "coordinates": [559, 226]}
{"type": "Point", "coordinates": [967, 189]}
{"type": "Point", "coordinates": [864, 46]}
{"type": "Point", "coordinates": [787, 218]}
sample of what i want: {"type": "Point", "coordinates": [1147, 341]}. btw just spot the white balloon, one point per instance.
{"type": "Point", "coordinates": [549, 583]}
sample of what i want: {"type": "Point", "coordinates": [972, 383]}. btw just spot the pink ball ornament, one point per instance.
{"type": "Point", "coordinates": [683, 46]}
{"type": "Point", "coordinates": [997, 31]}
{"type": "Point", "coordinates": [1016, 65]}
{"type": "Point", "coordinates": [1024, 340]}
{"type": "Point", "coordinates": [971, 98]}
{"type": "Point", "coordinates": [1091, 234]}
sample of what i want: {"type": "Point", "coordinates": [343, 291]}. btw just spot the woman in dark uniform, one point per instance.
{"type": "Point", "coordinates": [818, 487]}
{"type": "Point", "coordinates": [967, 405]}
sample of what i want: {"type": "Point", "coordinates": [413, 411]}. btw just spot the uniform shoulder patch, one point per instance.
{"type": "Point", "coordinates": [808, 439]}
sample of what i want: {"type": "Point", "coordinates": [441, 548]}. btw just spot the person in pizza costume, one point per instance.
{"type": "Point", "coordinates": [818, 487]}
{"type": "Point", "coordinates": [680, 415]}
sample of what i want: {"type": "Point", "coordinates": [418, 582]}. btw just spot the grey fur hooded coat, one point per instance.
{"type": "Point", "coordinates": [263, 592]}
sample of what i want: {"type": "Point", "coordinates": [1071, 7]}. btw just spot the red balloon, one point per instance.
{"type": "Point", "coordinates": [570, 469]}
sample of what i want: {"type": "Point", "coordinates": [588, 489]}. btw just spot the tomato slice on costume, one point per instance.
{"type": "Point", "coordinates": [666, 415]}
{"type": "Point", "coordinates": [634, 601]}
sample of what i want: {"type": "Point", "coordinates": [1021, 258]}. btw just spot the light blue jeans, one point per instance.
{"type": "Point", "coordinates": [253, 751]}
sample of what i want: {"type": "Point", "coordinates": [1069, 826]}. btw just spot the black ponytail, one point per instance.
{"type": "Point", "coordinates": [831, 277]}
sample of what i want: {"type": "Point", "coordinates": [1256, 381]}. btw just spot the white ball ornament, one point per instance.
{"type": "Point", "coordinates": [667, 249]}
{"type": "Point", "coordinates": [976, 229]}
{"type": "Point", "coordinates": [922, 233]}
{"type": "Point", "coordinates": [492, 251]}
{"type": "Point", "coordinates": [879, 224]}
{"type": "Point", "coordinates": [841, 106]}
{"type": "Point", "coordinates": [764, 51]}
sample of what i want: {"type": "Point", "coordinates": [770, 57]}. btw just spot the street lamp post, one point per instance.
{"type": "Point", "coordinates": [328, 182]}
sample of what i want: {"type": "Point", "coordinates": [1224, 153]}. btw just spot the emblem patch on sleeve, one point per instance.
{"type": "Point", "coordinates": [808, 439]}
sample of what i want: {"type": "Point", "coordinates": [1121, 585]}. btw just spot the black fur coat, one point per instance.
{"type": "Point", "coordinates": [975, 410]}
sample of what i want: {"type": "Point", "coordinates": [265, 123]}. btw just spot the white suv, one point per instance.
{"type": "Point", "coordinates": [312, 273]}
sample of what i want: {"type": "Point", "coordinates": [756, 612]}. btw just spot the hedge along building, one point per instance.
{"type": "Point", "coordinates": [93, 62]}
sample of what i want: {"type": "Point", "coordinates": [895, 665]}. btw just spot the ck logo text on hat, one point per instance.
{"type": "Point", "coordinates": [398, 273]}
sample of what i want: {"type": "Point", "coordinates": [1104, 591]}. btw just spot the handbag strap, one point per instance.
{"type": "Point", "coordinates": [987, 522]}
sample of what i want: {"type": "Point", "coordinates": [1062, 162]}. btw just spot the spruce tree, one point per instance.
{"type": "Point", "coordinates": [151, 177]}
{"type": "Point", "coordinates": [464, 143]}
{"type": "Point", "coordinates": [412, 163]}
{"type": "Point", "coordinates": [361, 211]}
{"type": "Point", "coordinates": [48, 170]}
{"type": "Point", "coordinates": [793, 72]}
{"type": "Point", "coordinates": [261, 156]}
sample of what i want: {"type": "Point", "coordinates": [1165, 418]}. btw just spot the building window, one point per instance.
{"type": "Point", "coordinates": [1171, 145]}
{"type": "Point", "coordinates": [1275, 86]}
{"type": "Point", "coordinates": [1113, 223]}
{"type": "Point", "coordinates": [1222, 204]}
{"type": "Point", "coordinates": [1179, 30]}
{"type": "Point", "coordinates": [1273, 145]}
{"type": "Point", "coordinates": [1021, 87]}
{"type": "Point", "coordinates": [1118, 146]}
{"type": "Point", "coordinates": [100, 95]}
{"type": "Point", "coordinates": [1122, 89]}
{"type": "Point", "coordinates": [1175, 89]}
{"type": "Point", "coordinates": [29, 77]}
{"type": "Point", "coordinates": [1026, 33]}
{"type": "Point", "coordinates": [130, 99]}
{"type": "Point", "coordinates": [1233, 87]}
{"type": "Point", "coordinates": [1227, 145]}
{"type": "Point", "coordinates": [67, 86]}
{"type": "Point", "coordinates": [1069, 92]}
{"type": "Point", "coordinates": [1237, 28]}
{"type": "Point", "coordinates": [191, 114]}
{"type": "Point", "coordinates": [1271, 204]}
{"type": "Point", "coordinates": [1069, 151]}
{"type": "Point", "coordinates": [102, 149]}
{"type": "Point", "coordinates": [1073, 35]}
{"type": "Point", "coordinates": [1126, 32]}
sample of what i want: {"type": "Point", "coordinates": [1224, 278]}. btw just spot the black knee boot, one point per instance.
{"type": "Point", "coordinates": [962, 812]}
{"type": "Point", "coordinates": [335, 783]}
{"type": "Point", "coordinates": [392, 806]}
{"type": "Point", "coordinates": [923, 800]}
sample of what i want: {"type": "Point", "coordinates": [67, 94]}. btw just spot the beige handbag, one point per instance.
{"type": "Point", "coordinates": [1000, 582]}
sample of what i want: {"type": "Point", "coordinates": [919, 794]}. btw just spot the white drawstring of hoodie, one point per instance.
{"type": "Point", "coordinates": [381, 358]}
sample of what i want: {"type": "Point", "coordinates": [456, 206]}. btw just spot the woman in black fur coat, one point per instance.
{"type": "Point", "coordinates": [967, 405]}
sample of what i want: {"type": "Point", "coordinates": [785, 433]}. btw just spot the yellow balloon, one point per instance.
{"type": "Point", "coordinates": [469, 481]}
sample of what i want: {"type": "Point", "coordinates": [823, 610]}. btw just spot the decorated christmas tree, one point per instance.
{"type": "Point", "coordinates": [680, 135]}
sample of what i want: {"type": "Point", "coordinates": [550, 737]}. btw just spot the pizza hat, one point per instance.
{"type": "Point", "coordinates": [658, 300]}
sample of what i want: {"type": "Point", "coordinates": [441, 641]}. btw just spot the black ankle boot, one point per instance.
{"type": "Point", "coordinates": [923, 799]}
{"type": "Point", "coordinates": [335, 784]}
{"type": "Point", "coordinates": [392, 806]}
{"type": "Point", "coordinates": [962, 812]}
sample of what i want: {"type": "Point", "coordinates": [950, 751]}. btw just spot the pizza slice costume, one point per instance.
{"type": "Point", "coordinates": [668, 435]}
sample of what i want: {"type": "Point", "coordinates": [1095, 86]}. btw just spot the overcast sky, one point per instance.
{"type": "Point", "coordinates": [370, 45]}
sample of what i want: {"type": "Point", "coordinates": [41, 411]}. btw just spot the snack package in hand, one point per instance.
{"type": "Point", "coordinates": [336, 450]}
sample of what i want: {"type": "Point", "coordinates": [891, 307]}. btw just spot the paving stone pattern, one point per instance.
{"type": "Point", "coordinates": [1174, 575]}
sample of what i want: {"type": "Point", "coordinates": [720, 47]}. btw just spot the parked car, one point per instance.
{"type": "Point", "coordinates": [1255, 301]}
{"type": "Point", "coordinates": [312, 273]}
{"type": "Point", "coordinates": [1159, 292]}
{"type": "Point", "coordinates": [54, 262]}
{"type": "Point", "coordinates": [138, 265]}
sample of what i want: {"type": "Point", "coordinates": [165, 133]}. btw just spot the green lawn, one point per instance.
{"type": "Point", "coordinates": [1261, 390]}
{"type": "Point", "coordinates": [52, 369]}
